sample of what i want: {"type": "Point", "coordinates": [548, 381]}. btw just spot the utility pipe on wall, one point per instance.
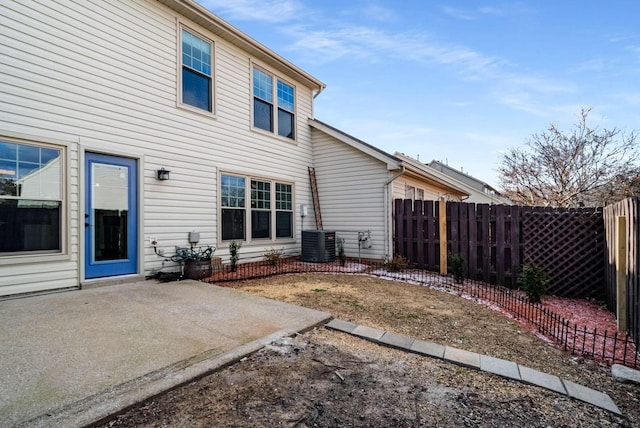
{"type": "Point", "coordinates": [388, 224]}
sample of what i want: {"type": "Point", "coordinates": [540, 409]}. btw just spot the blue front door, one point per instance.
{"type": "Point", "coordinates": [111, 216]}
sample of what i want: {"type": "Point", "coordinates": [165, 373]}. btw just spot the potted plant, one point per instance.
{"type": "Point", "coordinates": [197, 261]}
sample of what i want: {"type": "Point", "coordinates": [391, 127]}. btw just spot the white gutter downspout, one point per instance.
{"type": "Point", "coordinates": [319, 92]}
{"type": "Point", "coordinates": [388, 225]}
{"type": "Point", "coordinates": [320, 89]}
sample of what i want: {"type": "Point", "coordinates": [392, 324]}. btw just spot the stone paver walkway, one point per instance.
{"type": "Point", "coordinates": [504, 368]}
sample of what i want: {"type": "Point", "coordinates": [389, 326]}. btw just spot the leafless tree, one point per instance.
{"type": "Point", "coordinates": [587, 166]}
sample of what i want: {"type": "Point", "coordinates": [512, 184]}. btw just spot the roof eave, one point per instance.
{"type": "Point", "coordinates": [426, 176]}
{"type": "Point", "coordinates": [213, 23]}
{"type": "Point", "coordinates": [392, 162]}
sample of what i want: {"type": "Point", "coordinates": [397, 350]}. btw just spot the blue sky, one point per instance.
{"type": "Point", "coordinates": [456, 81]}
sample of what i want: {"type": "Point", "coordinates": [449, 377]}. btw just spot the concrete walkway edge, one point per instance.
{"type": "Point", "coordinates": [497, 366]}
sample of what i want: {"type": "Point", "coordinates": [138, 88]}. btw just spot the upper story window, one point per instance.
{"type": "Point", "coordinates": [197, 77]}
{"type": "Point", "coordinates": [30, 198]}
{"type": "Point", "coordinates": [266, 90]}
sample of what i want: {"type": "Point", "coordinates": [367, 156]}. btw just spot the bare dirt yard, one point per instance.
{"type": "Point", "coordinates": [329, 379]}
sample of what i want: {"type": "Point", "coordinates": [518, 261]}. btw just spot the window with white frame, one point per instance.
{"type": "Point", "coordinates": [197, 76]}
{"type": "Point", "coordinates": [266, 89]}
{"type": "Point", "coordinates": [31, 198]}
{"type": "Point", "coordinates": [260, 209]}
{"type": "Point", "coordinates": [284, 210]}
{"type": "Point", "coordinates": [409, 192]}
{"type": "Point", "coordinates": [268, 215]}
{"type": "Point", "coordinates": [232, 191]}
{"type": "Point", "coordinates": [419, 194]}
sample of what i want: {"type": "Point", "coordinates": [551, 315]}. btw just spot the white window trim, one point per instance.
{"type": "Point", "coordinates": [214, 91]}
{"type": "Point", "coordinates": [247, 209]}
{"type": "Point", "coordinates": [276, 77]}
{"type": "Point", "coordinates": [65, 204]}
{"type": "Point", "coordinates": [409, 189]}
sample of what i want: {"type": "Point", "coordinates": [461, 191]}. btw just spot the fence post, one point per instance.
{"type": "Point", "coordinates": [621, 272]}
{"type": "Point", "coordinates": [442, 213]}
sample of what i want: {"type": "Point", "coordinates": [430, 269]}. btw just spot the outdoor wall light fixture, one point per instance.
{"type": "Point", "coordinates": [163, 174]}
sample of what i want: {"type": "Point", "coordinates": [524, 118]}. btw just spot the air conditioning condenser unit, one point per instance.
{"type": "Point", "coordinates": [318, 246]}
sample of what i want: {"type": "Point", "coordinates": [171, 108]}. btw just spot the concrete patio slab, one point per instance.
{"type": "Point", "coordinates": [544, 380]}
{"type": "Point", "coordinates": [501, 367]}
{"type": "Point", "coordinates": [591, 396]}
{"type": "Point", "coordinates": [68, 359]}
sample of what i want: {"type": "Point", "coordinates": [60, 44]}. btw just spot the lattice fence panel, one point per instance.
{"type": "Point", "coordinates": [569, 246]}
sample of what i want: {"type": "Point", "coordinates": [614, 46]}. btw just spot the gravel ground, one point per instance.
{"type": "Point", "coordinates": [326, 379]}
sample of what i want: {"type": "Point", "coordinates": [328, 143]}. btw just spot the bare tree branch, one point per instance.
{"type": "Point", "coordinates": [586, 166]}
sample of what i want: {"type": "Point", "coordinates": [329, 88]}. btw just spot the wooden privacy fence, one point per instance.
{"type": "Point", "coordinates": [496, 240]}
{"type": "Point", "coordinates": [630, 210]}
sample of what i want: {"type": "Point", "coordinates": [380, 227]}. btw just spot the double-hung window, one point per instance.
{"type": "Point", "coordinates": [197, 77]}
{"type": "Point", "coordinates": [31, 204]}
{"type": "Point", "coordinates": [260, 209]}
{"type": "Point", "coordinates": [284, 210]}
{"type": "Point", "coordinates": [409, 192]}
{"type": "Point", "coordinates": [232, 191]}
{"type": "Point", "coordinates": [273, 104]}
{"type": "Point", "coordinates": [268, 215]}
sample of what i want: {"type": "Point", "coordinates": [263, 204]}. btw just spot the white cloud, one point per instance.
{"type": "Point", "coordinates": [379, 13]}
{"type": "Point", "coordinates": [491, 10]}
{"type": "Point", "coordinates": [373, 44]}
{"type": "Point", "coordinates": [482, 11]}
{"type": "Point", "coordinates": [256, 10]}
{"type": "Point", "coordinates": [630, 98]}
{"type": "Point", "coordinates": [520, 101]}
{"type": "Point", "coordinates": [621, 37]}
{"type": "Point", "coordinates": [457, 13]}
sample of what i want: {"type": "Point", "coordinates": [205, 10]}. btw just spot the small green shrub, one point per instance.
{"type": "Point", "coordinates": [534, 282]}
{"type": "Point", "coordinates": [234, 253]}
{"type": "Point", "coordinates": [458, 266]}
{"type": "Point", "coordinates": [396, 264]}
{"type": "Point", "coordinates": [273, 256]}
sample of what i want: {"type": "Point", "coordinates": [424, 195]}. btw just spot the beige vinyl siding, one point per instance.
{"type": "Point", "coordinates": [103, 73]}
{"type": "Point", "coordinates": [431, 191]}
{"type": "Point", "coordinates": [351, 186]}
{"type": "Point", "coordinates": [33, 277]}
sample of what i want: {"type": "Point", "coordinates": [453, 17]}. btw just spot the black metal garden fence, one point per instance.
{"type": "Point", "coordinates": [604, 346]}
